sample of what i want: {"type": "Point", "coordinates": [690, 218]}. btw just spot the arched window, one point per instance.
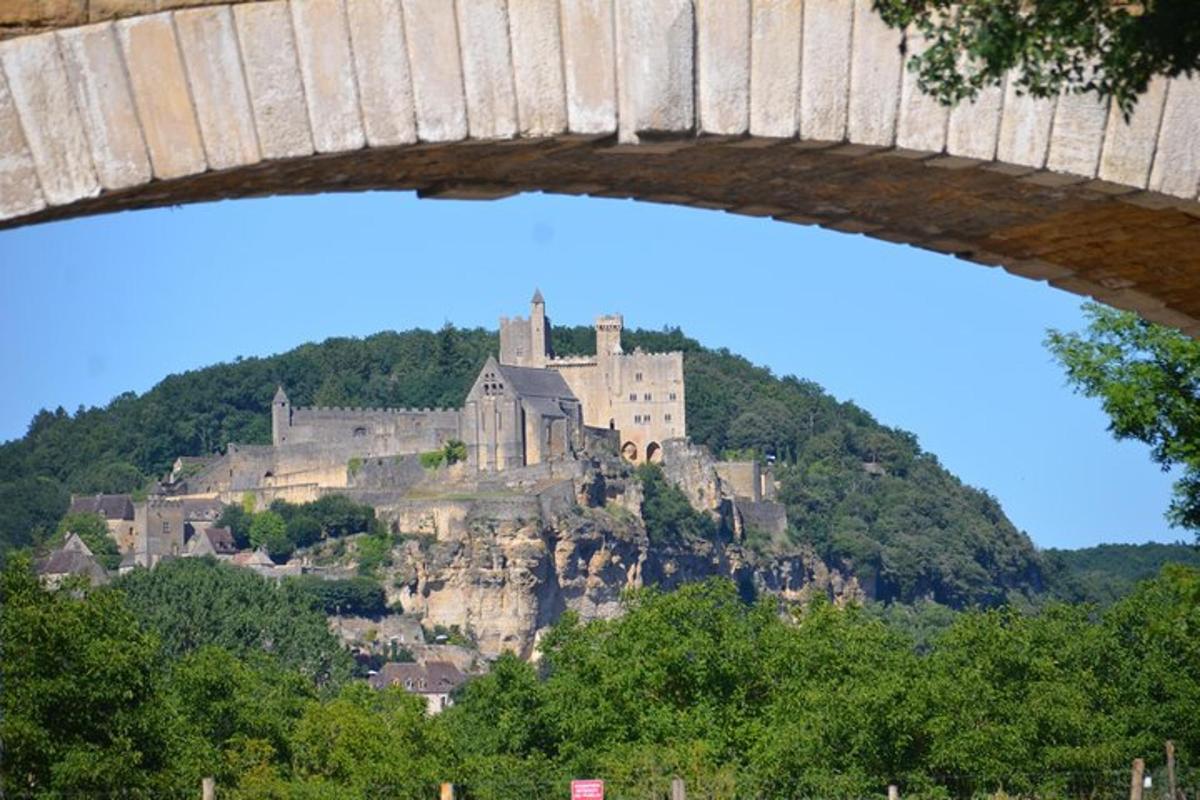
{"type": "Point", "coordinates": [630, 451]}
{"type": "Point", "coordinates": [653, 453]}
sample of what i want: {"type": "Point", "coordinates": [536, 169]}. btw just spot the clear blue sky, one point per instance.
{"type": "Point", "coordinates": [949, 350]}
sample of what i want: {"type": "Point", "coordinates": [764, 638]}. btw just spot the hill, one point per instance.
{"type": "Point", "coordinates": [1108, 572]}
{"type": "Point", "coordinates": [864, 495]}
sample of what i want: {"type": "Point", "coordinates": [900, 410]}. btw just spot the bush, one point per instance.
{"type": "Point", "coordinates": [433, 459]}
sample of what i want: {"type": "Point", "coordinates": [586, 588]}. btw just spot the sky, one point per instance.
{"type": "Point", "coordinates": [947, 349]}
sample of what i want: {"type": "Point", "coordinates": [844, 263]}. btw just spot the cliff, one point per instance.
{"type": "Point", "coordinates": [505, 580]}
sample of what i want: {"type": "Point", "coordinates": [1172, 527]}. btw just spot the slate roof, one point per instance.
{"type": "Point", "coordinates": [109, 506]}
{"type": "Point", "coordinates": [221, 540]}
{"type": "Point", "coordinates": [202, 509]}
{"type": "Point", "coordinates": [73, 560]}
{"type": "Point", "coordinates": [432, 677]}
{"type": "Point", "coordinates": [537, 296]}
{"type": "Point", "coordinates": [545, 407]}
{"type": "Point", "coordinates": [534, 382]}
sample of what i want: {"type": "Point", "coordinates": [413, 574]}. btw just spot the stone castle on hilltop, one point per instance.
{"type": "Point", "coordinates": [526, 407]}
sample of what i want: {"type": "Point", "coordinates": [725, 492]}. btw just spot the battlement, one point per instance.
{"type": "Point", "coordinates": [369, 411]}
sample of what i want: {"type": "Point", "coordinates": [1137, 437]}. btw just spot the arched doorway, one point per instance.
{"type": "Point", "coordinates": [630, 451]}
{"type": "Point", "coordinates": [653, 453]}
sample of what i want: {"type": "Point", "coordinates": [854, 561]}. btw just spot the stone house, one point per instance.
{"type": "Point", "coordinates": [73, 559]}
{"type": "Point", "coordinates": [435, 681]}
{"type": "Point", "coordinates": [118, 513]}
{"type": "Point", "coordinates": [216, 542]}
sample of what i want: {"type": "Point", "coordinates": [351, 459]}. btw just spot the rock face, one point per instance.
{"type": "Point", "coordinates": [505, 581]}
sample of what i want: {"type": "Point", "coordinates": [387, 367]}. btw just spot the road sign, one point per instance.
{"type": "Point", "coordinates": [587, 790]}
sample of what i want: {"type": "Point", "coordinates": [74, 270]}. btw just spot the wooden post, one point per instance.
{"type": "Point", "coordinates": [208, 789]}
{"type": "Point", "coordinates": [447, 791]}
{"type": "Point", "coordinates": [1171, 770]}
{"type": "Point", "coordinates": [893, 792]}
{"type": "Point", "coordinates": [678, 791]}
{"type": "Point", "coordinates": [1135, 783]}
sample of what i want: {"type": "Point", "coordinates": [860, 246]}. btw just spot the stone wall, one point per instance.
{"type": "Point", "coordinates": [744, 478]}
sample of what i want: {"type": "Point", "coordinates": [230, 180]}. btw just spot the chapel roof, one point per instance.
{"type": "Point", "coordinates": [535, 382]}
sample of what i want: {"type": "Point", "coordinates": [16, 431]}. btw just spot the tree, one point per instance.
{"type": "Point", "coordinates": [238, 521]}
{"type": "Point", "coordinates": [80, 714]}
{"type": "Point", "coordinates": [267, 527]}
{"type": "Point", "coordinates": [93, 530]}
{"type": "Point", "coordinates": [666, 511]}
{"type": "Point", "coordinates": [1147, 378]}
{"type": "Point", "coordinates": [30, 508]}
{"type": "Point", "coordinates": [303, 530]}
{"type": "Point", "coordinates": [1110, 48]}
{"type": "Point", "coordinates": [194, 602]}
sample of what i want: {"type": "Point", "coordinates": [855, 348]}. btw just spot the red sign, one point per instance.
{"type": "Point", "coordinates": [587, 790]}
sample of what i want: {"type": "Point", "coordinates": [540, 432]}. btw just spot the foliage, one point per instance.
{"type": "Point", "coordinates": [29, 508]}
{"type": "Point", "coordinates": [1106, 573]}
{"type": "Point", "coordinates": [81, 715]}
{"type": "Point", "coordinates": [238, 520]}
{"type": "Point", "coordinates": [359, 596]}
{"type": "Point", "coordinates": [93, 530]}
{"type": "Point", "coordinates": [1112, 49]}
{"type": "Point", "coordinates": [432, 459]}
{"type": "Point", "coordinates": [373, 551]}
{"type": "Point", "coordinates": [335, 514]}
{"type": "Point", "coordinates": [668, 515]}
{"type": "Point", "coordinates": [454, 451]}
{"type": "Point", "coordinates": [265, 527]}
{"type": "Point", "coordinates": [193, 602]}
{"type": "Point", "coordinates": [696, 683]}
{"type": "Point", "coordinates": [1147, 378]}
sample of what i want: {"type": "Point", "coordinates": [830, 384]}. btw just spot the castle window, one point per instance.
{"type": "Point", "coordinates": [666, 418]}
{"type": "Point", "coordinates": [637, 376]}
{"type": "Point", "coordinates": [671, 396]}
{"type": "Point", "coordinates": [646, 397]}
{"type": "Point", "coordinates": [633, 397]}
{"type": "Point", "coordinates": [166, 528]}
{"type": "Point", "coordinates": [645, 419]}
{"type": "Point", "coordinates": [360, 431]}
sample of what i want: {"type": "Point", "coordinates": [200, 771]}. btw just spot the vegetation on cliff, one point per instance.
{"type": "Point", "coordinates": [141, 690]}
{"type": "Point", "coordinates": [907, 527]}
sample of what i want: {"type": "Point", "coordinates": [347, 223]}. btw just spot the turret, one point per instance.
{"type": "Point", "coordinates": [539, 339]}
{"type": "Point", "coordinates": [608, 335]}
{"type": "Point", "coordinates": [281, 417]}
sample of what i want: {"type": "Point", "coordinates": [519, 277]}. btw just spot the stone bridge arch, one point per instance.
{"type": "Point", "coordinates": [798, 110]}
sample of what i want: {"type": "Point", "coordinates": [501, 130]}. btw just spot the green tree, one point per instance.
{"type": "Point", "coordinates": [194, 602]}
{"type": "Point", "coordinates": [267, 527]}
{"type": "Point", "coordinates": [238, 521]}
{"type": "Point", "coordinates": [1110, 48]}
{"type": "Point", "coordinates": [666, 511]}
{"type": "Point", "coordinates": [93, 530]}
{"type": "Point", "coordinates": [303, 530]}
{"type": "Point", "coordinates": [1147, 378]}
{"type": "Point", "coordinates": [30, 508]}
{"type": "Point", "coordinates": [81, 714]}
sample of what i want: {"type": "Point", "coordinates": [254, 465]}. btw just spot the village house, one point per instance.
{"type": "Point", "coordinates": [118, 513]}
{"type": "Point", "coordinates": [73, 559]}
{"type": "Point", "coordinates": [435, 681]}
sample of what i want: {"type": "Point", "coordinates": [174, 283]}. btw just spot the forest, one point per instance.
{"type": "Point", "coordinates": [909, 529]}
{"type": "Point", "coordinates": [141, 688]}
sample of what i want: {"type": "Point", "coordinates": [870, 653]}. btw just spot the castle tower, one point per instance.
{"type": "Point", "coordinates": [608, 335]}
{"type": "Point", "coordinates": [539, 340]}
{"type": "Point", "coordinates": [281, 417]}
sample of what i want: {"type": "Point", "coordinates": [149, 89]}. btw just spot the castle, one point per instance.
{"type": "Point", "coordinates": [526, 407]}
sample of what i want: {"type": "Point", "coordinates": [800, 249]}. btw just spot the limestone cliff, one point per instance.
{"type": "Point", "coordinates": [504, 581]}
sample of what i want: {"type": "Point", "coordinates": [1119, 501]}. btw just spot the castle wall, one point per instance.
{"type": "Point", "coordinates": [744, 478]}
{"type": "Point", "coordinates": [639, 394]}
{"type": "Point", "coordinates": [374, 432]}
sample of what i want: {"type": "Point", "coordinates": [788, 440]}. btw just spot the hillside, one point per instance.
{"type": "Point", "coordinates": [864, 495]}
{"type": "Point", "coordinates": [1108, 572]}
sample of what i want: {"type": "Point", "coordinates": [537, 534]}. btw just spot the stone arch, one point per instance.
{"type": "Point", "coordinates": [630, 451]}
{"type": "Point", "coordinates": [678, 101]}
{"type": "Point", "coordinates": [654, 453]}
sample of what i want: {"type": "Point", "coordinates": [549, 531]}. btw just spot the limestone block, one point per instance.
{"type": "Point", "coordinates": [825, 72]}
{"type": "Point", "coordinates": [161, 94]}
{"type": "Point", "coordinates": [273, 80]}
{"type": "Point", "coordinates": [381, 60]}
{"type": "Point", "coordinates": [1176, 168]}
{"type": "Point", "coordinates": [975, 126]}
{"type": "Point", "coordinates": [210, 54]}
{"type": "Point", "coordinates": [1025, 128]}
{"type": "Point", "coordinates": [1079, 124]}
{"type": "Point", "coordinates": [723, 66]}
{"type": "Point", "coordinates": [19, 189]}
{"type": "Point", "coordinates": [655, 92]}
{"type": "Point", "coordinates": [431, 34]}
{"type": "Point", "coordinates": [105, 104]}
{"type": "Point", "coordinates": [487, 69]}
{"type": "Point", "coordinates": [589, 67]}
{"type": "Point", "coordinates": [41, 91]}
{"type": "Point", "coordinates": [922, 119]}
{"type": "Point", "coordinates": [327, 69]}
{"type": "Point", "coordinates": [875, 72]}
{"type": "Point", "coordinates": [538, 67]}
{"type": "Point", "coordinates": [55, 13]}
{"type": "Point", "coordinates": [776, 26]}
{"type": "Point", "coordinates": [1129, 146]}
